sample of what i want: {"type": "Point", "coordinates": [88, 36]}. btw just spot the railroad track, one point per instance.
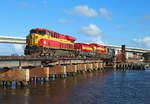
{"type": "Point", "coordinates": [44, 58]}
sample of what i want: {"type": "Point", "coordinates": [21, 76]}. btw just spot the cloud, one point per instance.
{"type": "Point", "coordinates": [105, 13]}
{"type": "Point", "coordinates": [97, 39]}
{"type": "Point", "coordinates": [83, 11]}
{"type": "Point", "coordinates": [90, 30]}
{"type": "Point", "coordinates": [63, 21]}
{"type": "Point", "coordinates": [9, 49]}
{"type": "Point", "coordinates": [19, 48]}
{"type": "Point", "coordinates": [145, 41]}
{"type": "Point", "coordinates": [6, 49]}
{"type": "Point", "coordinates": [45, 4]}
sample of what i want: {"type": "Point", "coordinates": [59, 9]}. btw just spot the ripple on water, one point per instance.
{"type": "Point", "coordinates": [120, 87]}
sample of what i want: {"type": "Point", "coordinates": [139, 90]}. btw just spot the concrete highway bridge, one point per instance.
{"type": "Point", "coordinates": [19, 40]}
{"type": "Point", "coordinates": [129, 49]}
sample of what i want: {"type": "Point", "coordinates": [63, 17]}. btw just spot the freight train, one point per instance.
{"type": "Point", "coordinates": [43, 42]}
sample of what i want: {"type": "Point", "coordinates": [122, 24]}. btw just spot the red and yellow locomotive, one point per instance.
{"type": "Point", "coordinates": [43, 42]}
{"type": "Point", "coordinates": [83, 49]}
{"type": "Point", "coordinates": [101, 49]}
{"type": "Point", "coordinates": [46, 42]}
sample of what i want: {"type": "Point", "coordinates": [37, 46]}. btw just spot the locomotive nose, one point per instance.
{"type": "Point", "coordinates": [30, 39]}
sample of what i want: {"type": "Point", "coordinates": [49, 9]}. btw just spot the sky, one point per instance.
{"type": "Point", "coordinates": [110, 22]}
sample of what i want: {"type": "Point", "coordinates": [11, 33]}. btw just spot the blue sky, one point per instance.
{"type": "Point", "coordinates": [113, 22]}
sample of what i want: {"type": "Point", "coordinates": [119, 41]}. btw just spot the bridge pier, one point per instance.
{"type": "Point", "coordinates": [39, 72]}
{"type": "Point", "coordinates": [57, 71]}
{"type": "Point", "coordinates": [15, 75]}
{"type": "Point", "coordinates": [81, 68]}
{"type": "Point", "coordinates": [20, 76]}
{"type": "Point", "coordinates": [130, 66]}
{"type": "Point", "coordinates": [95, 66]}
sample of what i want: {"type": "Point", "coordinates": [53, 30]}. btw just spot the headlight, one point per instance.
{"type": "Point", "coordinates": [44, 41]}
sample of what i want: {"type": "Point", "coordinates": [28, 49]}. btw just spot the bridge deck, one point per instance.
{"type": "Point", "coordinates": [20, 61]}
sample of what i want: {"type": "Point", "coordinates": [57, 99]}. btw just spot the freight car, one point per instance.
{"type": "Point", "coordinates": [43, 42]}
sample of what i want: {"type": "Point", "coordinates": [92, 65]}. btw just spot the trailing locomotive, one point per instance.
{"type": "Point", "coordinates": [84, 49]}
{"type": "Point", "coordinates": [43, 42]}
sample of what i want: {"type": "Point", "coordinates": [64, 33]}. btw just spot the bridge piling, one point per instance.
{"type": "Point", "coordinates": [15, 75]}
{"type": "Point", "coordinates": [130, 66]}
{"type": "Point", "coordinates": [39, 72]}
{"type": "Point", "coordinates": [58, 69]}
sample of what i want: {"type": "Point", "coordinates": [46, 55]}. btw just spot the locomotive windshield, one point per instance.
{"type": "Point", "coordinates": [39, 32]}
{"type": "Point", "coordinates": [42, 32]}
{"type": "Point", "coordinates": [33, 31]}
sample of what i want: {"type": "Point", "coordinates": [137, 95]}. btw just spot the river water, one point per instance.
{"type": "Point", "coordinates": [111, 87]}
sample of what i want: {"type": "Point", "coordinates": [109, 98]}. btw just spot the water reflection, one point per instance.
{"type": "Point", "coordinates": [120, 87]}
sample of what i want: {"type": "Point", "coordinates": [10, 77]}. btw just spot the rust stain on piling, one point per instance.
{"type": "Point", "coordinates": [13, 75]}
{"type": "Point", "coordinates": [70, 68]}
{"type": "Point", "coordinates": [57, 70]}
{"type": "Point", "coordinates": [95, 66]}
{"type": "Point", "coordinates": [89, 67]}
{"type": "Point", "coordinates": [39, 72]}
{"type": "Point", "coordinates": [80, 67]}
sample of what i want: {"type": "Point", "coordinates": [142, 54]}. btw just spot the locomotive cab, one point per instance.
{"type": "Point", "coordinates": [35, 35]}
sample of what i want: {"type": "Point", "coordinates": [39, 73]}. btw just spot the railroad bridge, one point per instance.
{"type": "Point", "coordinates": [34, 68]}
{"type": "Point", "coordinates": [22, 69]}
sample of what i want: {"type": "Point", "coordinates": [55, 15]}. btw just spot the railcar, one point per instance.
{"type": "Point", "coordinates": [84, 49]}
{"type": "Point", "coordinates": [43, 42]}
{"type": "Point", "coordinates": [97, 48]}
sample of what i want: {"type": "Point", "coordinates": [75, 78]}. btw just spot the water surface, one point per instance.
{"type": "Point", "coordinates": [120, 87]}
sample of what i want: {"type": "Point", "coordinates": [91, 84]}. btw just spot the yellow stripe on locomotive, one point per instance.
{"type": "Point", "coordinates": [34, 38]}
